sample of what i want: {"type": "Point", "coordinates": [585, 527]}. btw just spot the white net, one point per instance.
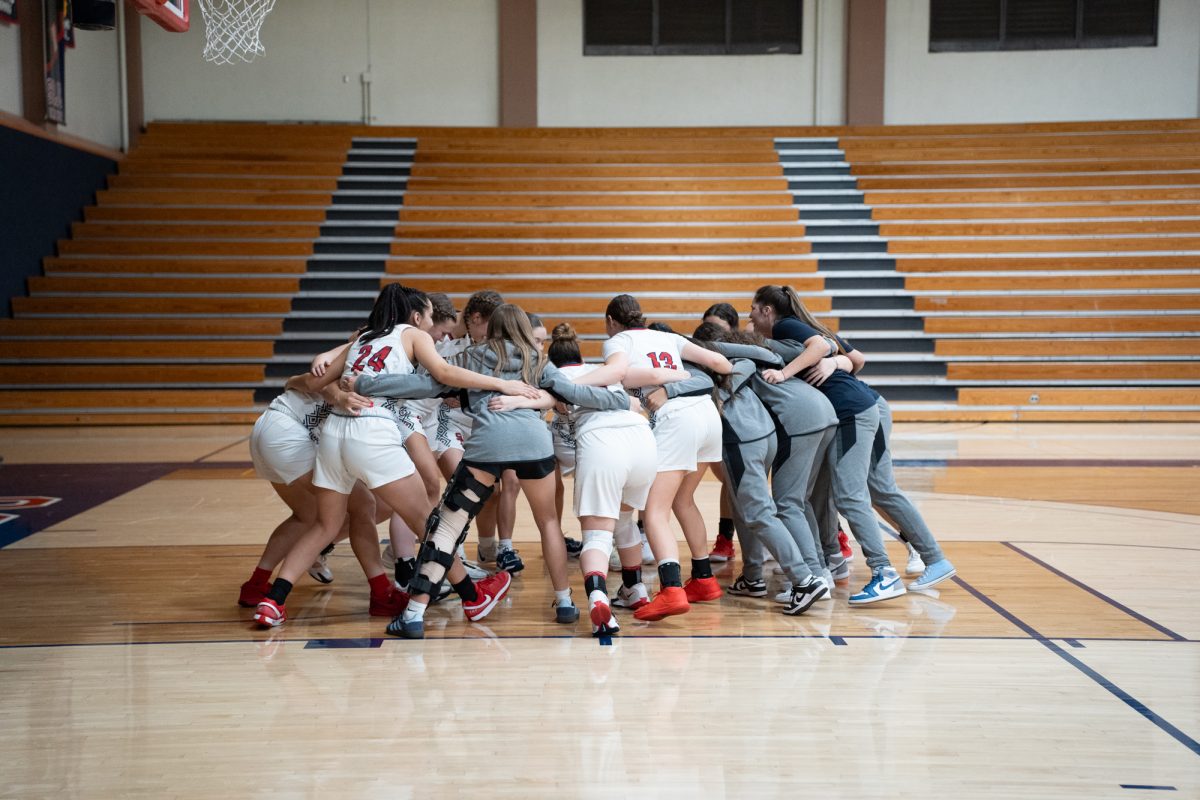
{"type": "Point", "coordinates": [231, 29]}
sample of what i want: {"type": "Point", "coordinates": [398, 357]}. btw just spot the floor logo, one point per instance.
{"type": "Point", "coordinates": [22, 504]}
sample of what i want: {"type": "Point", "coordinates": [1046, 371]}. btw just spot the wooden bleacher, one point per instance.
{"type": "Point", "coordinates": [1054, 268]}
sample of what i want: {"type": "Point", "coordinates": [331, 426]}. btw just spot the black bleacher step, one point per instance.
{"type": "Point", "coordinates": [847, 264]}
{"type": "Point", "coordinates": [866, 229]}
{"type": "Point", "coordinates": [874, 246]}
{"type": "Point", "coordinates": [801, 158]}
{"type": "Point", "coordinates": [919, 394]}
{"type": "Point", "coordinates": [907, 369]}
{"type": "Point", "coordinates": [383, 229]}
{"type": "Point", "coordinates": [334, 326]}
{"type": "Point", "coordinates": [372, 185]}
{"type": "Point", "coordinates": [900, 344]}
{"type": "Point", "coordinates": [386, 157]}
{"type": "Point", "coordinates": [363, 215]}
{"type": "Point", "coordinates": [834, 213]}
{"type": "Point", "coordinates": [906, 323]}
{"type": "Point", "coordinates": [384, 144]}
{"type": "Point", "coordinates": [310, 347]}
{"type": "Point", "coordinates": [353, 248]}
{"type": "Point", "coordinates": [802, 170]}
{"type": "Point", "coordinates": [339, 284]}
{"type": "Point", "coordinates": [353, 306]}
{"type": "Point", "coordinates": [346, 265]}
{"type": "Point", "coordinates": [853, 198]}
{"type": "Point", "coordinates": [872, 302]}
{"type": "Point", "coordinates": [886, 280]}
{"type": "Point", "coordinates": [827, 184]}
{"type": "Point", "coordinates": [819, 144]}
{"type": "Point", "coordinates": [352, 198]}
{"type": "Point", "coordinates": [376, 169]}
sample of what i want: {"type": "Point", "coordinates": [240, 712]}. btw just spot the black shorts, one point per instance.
{"type": "Point", "coordinates": [526, 470]}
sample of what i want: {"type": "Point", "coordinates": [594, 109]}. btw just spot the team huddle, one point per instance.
{"type": "Point", "coordinates": [424, 394]}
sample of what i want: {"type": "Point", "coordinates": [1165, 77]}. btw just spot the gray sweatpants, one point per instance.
{"type": "Point", "coordinates": [892, 503]}
{"type": "Point", "coordinates": [849, 458]}
{"type": "Point", "coordinates": [747, 465]}
{"type": "Point", "coordinates": [797, 464]}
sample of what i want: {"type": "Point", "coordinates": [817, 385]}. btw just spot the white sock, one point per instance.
{"type": "Point", "coordinates": [562, 598]}
{"type": "Point", "coordinates": [415, 611]}
{"type": "Point", "coordinates": [597, 596]}
{"type": "Point", "coordinates": [504, 545]}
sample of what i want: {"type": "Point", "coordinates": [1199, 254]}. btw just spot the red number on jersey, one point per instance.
{"type": "Point", "coordinates": [662, 360]}
{"type": "Point", "coordinates": [376, 362]}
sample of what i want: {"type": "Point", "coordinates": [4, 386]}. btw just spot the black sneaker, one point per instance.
{"type": "Point", "coordinates": [804, 595]}
{"type": "Point", "coordinates": [565, 615]}
{"type": "Point", "coordinates": [748, 588]}
{"type": "Point", "coordinates": [574, 547]}
{"type": "Point", "coordinates": [509, 561]}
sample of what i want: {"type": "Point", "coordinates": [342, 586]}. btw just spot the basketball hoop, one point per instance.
{"type": "Point", "coordinates": [231, 29]}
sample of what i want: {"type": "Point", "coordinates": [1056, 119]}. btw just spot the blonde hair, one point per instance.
{"type": "Point", "coordinates": [511, 324]}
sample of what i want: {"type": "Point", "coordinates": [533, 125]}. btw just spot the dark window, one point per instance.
{"type": "Point", "coordinates": [691, 27]}
{"type": "Point", "coordinates": [1041, 24]}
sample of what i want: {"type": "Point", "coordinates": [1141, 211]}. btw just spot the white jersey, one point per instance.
{"type": "Point", "coordinates": [583, 420]}
{"type": "Point", "coordinates": [656, 350]}
{"type": "Point", "coordinates": [427, 407]}
{"type": "Point", "coordinates": [307, 409]}
{"type": "Point", "coordinates": [382, 356]}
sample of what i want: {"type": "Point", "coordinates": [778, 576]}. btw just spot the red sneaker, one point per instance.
{"type": "Point", "coordinates": [700, 590]}
{"type": "Point", "coordinates": [270, 614]}
{"type": "Point", "coordinates": [844, 541]}
{"type": "Point", "coordinates": [390, 606]}
{"type": "Point", "coordinates": [253, 593]}
{"type": "Point", "coordinates": [489, 592]}
{"type": "Point", "coordinates": [670, 600]}
{"type": "Point", "coordinates": [722, 550]}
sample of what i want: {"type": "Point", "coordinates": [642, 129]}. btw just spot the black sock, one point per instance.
{"type": "Point", "coordinates": [405, 569]}
{"type": "Point", "coordinates": [670, 574]}
{"type": "Point", "coordinates": [630, 577]}
{"type": "Point", "coordinates": [466, 590]}
{"type": "Point", "coordinates": [328, 549]}
{"type": "Point", "coordinates": [701, 568]}
{"type": "Point", "coordinates": [725, 528]}
{"type": "Point", "coordinates": [593, 583]}
{"type": "Point", "coordinates": [279, 590]}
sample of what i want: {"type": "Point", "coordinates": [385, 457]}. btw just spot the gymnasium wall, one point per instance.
{"type": "Point", "coordinates": [10, 69]}
{"type": "Point", "coordinates": [45, 187]}
{"type": "Point", "coordinates": [1033, 86]}
{"type": "Point", "coordinates": [93, 95]}
{"type": "Point", "coordinates": [578, 90]}
{"type": "Point", "coordinates": [430, 62]}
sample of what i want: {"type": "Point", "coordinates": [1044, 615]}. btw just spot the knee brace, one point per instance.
{"type": "Point", "coordinates": [600, 541]}
{"type": "Point", "coordinates": [446, 528]}
{"type": "Point", "coordinates": [627, 533]}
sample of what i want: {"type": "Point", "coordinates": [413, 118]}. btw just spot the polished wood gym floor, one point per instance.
{"type": "Point", "coordinates": [1064, 661]}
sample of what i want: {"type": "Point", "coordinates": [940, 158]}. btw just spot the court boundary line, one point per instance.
{"type": "Point", "coordinates": [1163, 629]}
{"type": "Point", "coordinates": [1126, 698]}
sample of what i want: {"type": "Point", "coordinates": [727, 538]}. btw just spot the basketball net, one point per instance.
{"type": "Point", "coordinates": [231, 29]}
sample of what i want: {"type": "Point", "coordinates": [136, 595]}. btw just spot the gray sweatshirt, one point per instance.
{"type": "Point", "coordinates": [743, 417]}
{"type": "Point", "coordinates": [800, 408]}
{"type": "Point", "coordinates": [498, 437]}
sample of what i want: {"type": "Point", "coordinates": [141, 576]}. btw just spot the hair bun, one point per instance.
{"type": "Point", "coordinates": [563, 332]}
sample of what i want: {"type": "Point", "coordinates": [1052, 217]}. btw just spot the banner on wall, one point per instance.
{"type": "Point", "coordinates": [8, 10]}
{"type": "Point", "coordinates": [60, 34]}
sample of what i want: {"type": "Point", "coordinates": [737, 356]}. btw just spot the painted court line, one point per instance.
{"type": "Point", "coordinates": [1104, 682]}
{"type": "Point", "coordinates": [1098, 594]}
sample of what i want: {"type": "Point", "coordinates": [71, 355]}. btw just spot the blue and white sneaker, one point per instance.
{"type": "Point", "coordinates": [839, 569]}
{"type": "Point", "coordinates": [509, 561]}
{"type": "Point", "coordinates": [884, 585]}
{"type": "Point", "coordinates": [935, 573]}
{"type": "Point", "coordinates": [411, 629]}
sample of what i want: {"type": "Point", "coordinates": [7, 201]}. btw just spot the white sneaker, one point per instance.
{"type": "Point", "coordinates": [914, 566]}
{"type": "Point", "coordinates": [647, 553]}
{"type": "Point", "coordinates": [884, 585]}
{"type": "Point", "coordinates": [632, 597]}
{"type": "Point", "coordinates": [320, 570]}
{"type": "Point", "coordinates": [614, 561]}
{"type": "Point", "coordinates": [487, 551]}
{"type": "Point", "coordinates": [785, 594]}
{"type": "Point", "coordinates": [474, 571]}
{"type": "Point", "coordinates": [828, 588]}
